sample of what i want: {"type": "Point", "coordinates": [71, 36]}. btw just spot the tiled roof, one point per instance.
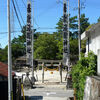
{"type": "Point", "coordinates": [4, 70]}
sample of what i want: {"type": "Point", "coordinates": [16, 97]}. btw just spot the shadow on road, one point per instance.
{"type": "Point", "coordinates": [35, 87]}
{"type": "Point", "coordinates": [34, 98]}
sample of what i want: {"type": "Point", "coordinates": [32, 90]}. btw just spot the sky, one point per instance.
{"type": "Point", "coordinates": [46, 15]}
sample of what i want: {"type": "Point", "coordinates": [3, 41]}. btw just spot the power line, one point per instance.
{"type": "Point", "coordinates": [20, 31]}
{"type": "Point", "coordinates": [36, 22]}
{"type": "Point", "coordinates": [47, 10]}
{"type": "Point", "coordinates": [16, 14]}
{"type": "Point", "coordinates": [32, 16]}
{"type": "Point", "coordinates": [39, 28]}
{"type": "Point", "coordinates": [24, 3]}
{"type": "Point", "coordinates": [45, 28]}
{"type": "Point", "coordinates": [19, 12]}
{"type": "Point", "coordinates": [79, 34]}
{"type": "Point", "coordinates": [11, 32]}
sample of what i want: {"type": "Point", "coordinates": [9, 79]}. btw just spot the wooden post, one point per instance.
{"type": "Point", "coordinates": [60, 70]}
{"type": "Point", "coordinates": [43, 72]}
{"type": "Point", "coordinates": [74, 94]}
{"type": "Point", "coordinates": [38, 67]}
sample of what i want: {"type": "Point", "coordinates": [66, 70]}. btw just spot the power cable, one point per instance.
{"type": "Point", "coordinates": [19, 12]}
{"type": "Point", "coordinates": [45, 28]}
{"type": "Point", "coordinates": [16, 14]}
{"type": "Point", "coordinates": [20, 31]}
{"type": "Point", "coordinates": [36, 23]}
{"type": "Point", "coordinates": [47, 10]}
{"type": "Point", "coordinates": [11, 32]}
{"type": "Point", "coordinates": [24, 3]}
{"type": "Point", "coordinates": [32, 16]}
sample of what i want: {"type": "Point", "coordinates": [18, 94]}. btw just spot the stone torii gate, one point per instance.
{"type": "Point", "coordinates": [46, 63]}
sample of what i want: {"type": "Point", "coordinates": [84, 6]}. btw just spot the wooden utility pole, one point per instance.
{"type": "Point", "coordinates": [9, 54]}
{"type": "Point", "coordinates": [79, 34]}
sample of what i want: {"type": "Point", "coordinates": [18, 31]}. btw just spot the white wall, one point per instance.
{"type": "Point", "coordinates": [94, 44]}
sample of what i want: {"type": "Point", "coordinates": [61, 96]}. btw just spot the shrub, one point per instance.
{"type": "Point", "coordinates": [86, 66]}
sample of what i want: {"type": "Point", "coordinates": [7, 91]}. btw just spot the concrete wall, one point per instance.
{"type": "Point", "coordinates": [92, 88]}
{"type": "Point", "coordinates": [94, 41]}
{"type": "Point", "coordinates": [98, 63]}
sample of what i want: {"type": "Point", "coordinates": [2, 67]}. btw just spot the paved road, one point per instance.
{"type": "Point", "coordinates": [48, 93]}
{"type": "Point", "coordinates": [51, 89]}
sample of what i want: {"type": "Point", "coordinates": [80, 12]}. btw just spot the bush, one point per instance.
{"type": "Point", "coordinates": [86, 66]}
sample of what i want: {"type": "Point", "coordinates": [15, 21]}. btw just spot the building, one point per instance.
{"type": "Point", "coordinates": [4, 72]}
{"type": "Point", "coordinates": [92, 37]}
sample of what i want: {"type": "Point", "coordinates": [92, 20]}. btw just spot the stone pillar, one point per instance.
{"type": "Point", "coordinates": [98, 62]}
{"type": "Point", "coordinates": [60, 70]}
{"type": "Point", "coordinates": [43, 72]}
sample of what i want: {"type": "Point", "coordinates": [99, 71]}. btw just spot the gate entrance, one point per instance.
{"type": "Point", "coordinates": [50, 68]}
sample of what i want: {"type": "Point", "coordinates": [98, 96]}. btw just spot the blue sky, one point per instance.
{"type": "Point", "coordinates": [46, 15]}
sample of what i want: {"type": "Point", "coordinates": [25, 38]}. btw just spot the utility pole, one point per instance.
{"type": "Point", "coordinates": [12, 21]}
{"type": "Point", "coordinates": [9, 54]}
{"type": "Point", "coordinates": [33, 48]}
{"type": "Point", "coordinates": [68, 47]}
{"type": "Point", "coordinates": [79, 34]}
{"type": "Point", "coordinates": [68, 44]}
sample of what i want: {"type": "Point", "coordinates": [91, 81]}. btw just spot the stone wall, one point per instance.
{"type": "Point", "coordinates": [92, 88]}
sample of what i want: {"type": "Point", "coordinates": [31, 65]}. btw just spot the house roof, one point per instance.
{"type": "Point", "coordinates": [89, 31]}
{"type": "Point", "coordinates": [4, 70]}
{"type": "Point", "coordinates": [22, 58]}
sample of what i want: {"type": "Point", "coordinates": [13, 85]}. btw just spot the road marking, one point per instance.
{"type": "Point", "coordinates": [50, 93]}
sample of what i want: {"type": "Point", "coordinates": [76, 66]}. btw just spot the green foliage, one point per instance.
{"type": "Point", "coordinates": [86, 66]}
{"type": "Point", "coordinates": [84, 23]}
{"type": "Point", "coordinates": [98, 20]}
{"type": "Point", "coordinates": [45, 47]}
{"type": "Point", "coordinates": [89, 27]}
{"type": "Point", "coordinates": [83, 46]}
{"type": "Point", "coordinates": [3, 54]}
{"type": "Point", "coordinates": [73, 26]}
{"type": "Point", "coordinates": [60, 49]}
{"type": "Point", "coordinates": [18, 45]}
{"type": "Point", "coordinates": [73, 48]}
